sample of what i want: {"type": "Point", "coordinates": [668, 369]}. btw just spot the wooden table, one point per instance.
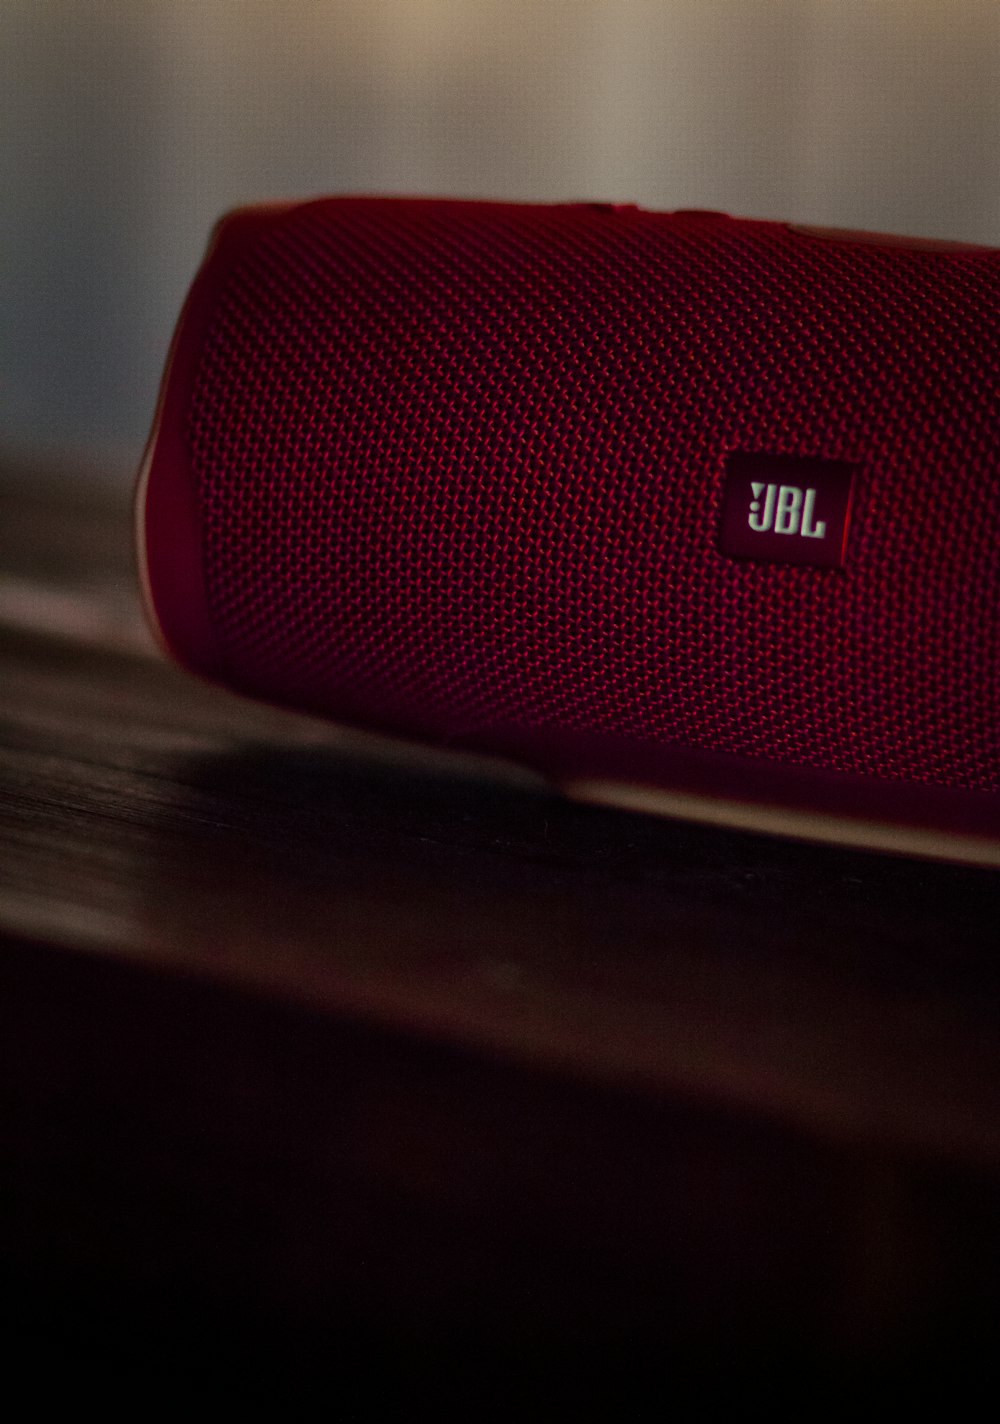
{"type": "Point", "coordinates": [337, 1039]}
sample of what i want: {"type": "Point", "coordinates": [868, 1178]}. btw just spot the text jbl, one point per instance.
{"type": "Point", "coordinates": [785, 509]}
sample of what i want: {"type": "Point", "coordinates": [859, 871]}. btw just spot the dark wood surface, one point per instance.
{"type": "Point", "coordinates": [304, 1027]}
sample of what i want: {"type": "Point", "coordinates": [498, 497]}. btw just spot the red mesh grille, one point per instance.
{"type": "Point", "coordinates": [461, 467]}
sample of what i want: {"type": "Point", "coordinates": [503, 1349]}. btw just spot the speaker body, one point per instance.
{"type": "Point", "coordinates": [688, 512]}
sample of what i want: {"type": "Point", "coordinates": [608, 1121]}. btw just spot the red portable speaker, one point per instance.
{"type": "Point", "coordinates": [688, 512]}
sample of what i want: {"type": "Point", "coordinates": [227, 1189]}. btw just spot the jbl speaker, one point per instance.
{"type": "Point", "coordinates": [688, 512]}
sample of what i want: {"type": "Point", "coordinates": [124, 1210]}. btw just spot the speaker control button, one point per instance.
{"type": "Point", "coordinates": [886, 239]}
{"type": "Point", "coordinates": [708, 214]}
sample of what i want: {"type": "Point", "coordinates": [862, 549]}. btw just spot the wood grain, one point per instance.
{"type": "Point", "coordinates": [418, 1031]}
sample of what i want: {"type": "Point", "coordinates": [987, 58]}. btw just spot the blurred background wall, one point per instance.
{"type": "Point", "coordinates": [126, 126]}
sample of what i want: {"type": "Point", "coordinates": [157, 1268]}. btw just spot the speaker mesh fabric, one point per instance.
{"type": "Point", "coordinates": [461, 464]}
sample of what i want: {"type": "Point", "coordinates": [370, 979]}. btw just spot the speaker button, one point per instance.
{"type": "Point", "coordinates": [708, 214]}
{"type": "Point", "coordinates": [886, 239]}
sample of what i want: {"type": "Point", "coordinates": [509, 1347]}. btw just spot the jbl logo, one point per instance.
{"type": "Point", "coordinates": [786, 509]}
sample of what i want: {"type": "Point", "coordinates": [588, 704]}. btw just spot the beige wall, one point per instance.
{"type": "Point", "coordinates": [127, 125]}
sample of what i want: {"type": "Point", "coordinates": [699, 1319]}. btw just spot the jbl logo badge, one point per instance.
{"type": "Point", "coordinates": [786, 509]}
